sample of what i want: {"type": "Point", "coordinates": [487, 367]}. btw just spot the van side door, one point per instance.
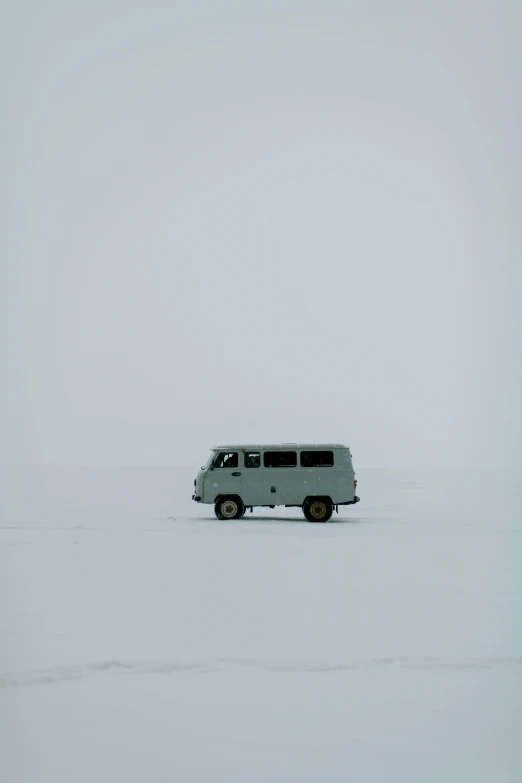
{"type": "Point", "coordinates": [256, 481]}
{"type": "Point", "coordinates": [280, 469]}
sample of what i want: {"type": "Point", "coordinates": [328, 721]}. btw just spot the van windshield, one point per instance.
{"type": "Point", "coordinates": [208, 462]}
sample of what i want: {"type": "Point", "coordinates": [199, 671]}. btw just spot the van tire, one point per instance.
{"type": "Point", "coordinates": [318, 509]}
{"type": "Point", "coordinates": [229, 507]}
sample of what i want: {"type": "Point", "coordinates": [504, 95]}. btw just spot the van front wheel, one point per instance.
{"type": "Point", "coordinates": [229, 508]}
{"type": "Point", "coordinates": [318, 509]}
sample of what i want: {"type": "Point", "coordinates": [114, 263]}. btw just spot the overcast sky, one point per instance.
{"type": "Point", "coordinates": [262, 221]}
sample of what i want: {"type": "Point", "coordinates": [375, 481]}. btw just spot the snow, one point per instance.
{"type": "Point", "coordinates": [143, 640]}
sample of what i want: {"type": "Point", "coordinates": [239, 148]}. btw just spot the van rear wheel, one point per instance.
{"type": "Point", "coordinates": [318, 509]}
{"type": "Point", "coordinates": [229, 508]}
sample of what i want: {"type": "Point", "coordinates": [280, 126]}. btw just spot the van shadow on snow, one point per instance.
{"type": "Point", "coordinates": [253, 518]}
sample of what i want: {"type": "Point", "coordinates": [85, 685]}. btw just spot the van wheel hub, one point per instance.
{"type": "Point", "coordinates": [229, 509]}
{"type": "Point", "coordinates": [318, 510]}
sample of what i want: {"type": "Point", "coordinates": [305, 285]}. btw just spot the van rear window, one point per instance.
{"type": "Point", "coordinates": [280, 459]}
{"type": "Point", "coordinates": [317, 459]}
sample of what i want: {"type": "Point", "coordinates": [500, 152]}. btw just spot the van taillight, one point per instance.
{"type": "Point", "coordinates": [355, 483]}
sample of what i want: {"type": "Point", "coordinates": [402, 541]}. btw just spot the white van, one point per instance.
{"type": "Point", "coordinates": [316, 477]}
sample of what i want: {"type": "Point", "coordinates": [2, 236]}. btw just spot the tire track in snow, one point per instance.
{"type": "Point", "coordinates": [60, 674]}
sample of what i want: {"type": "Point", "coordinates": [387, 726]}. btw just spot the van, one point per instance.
{"type": "Point", "coordinates": [315, 477]}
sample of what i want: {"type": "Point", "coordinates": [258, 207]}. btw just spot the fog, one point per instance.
{"type": "Point", "coordinates": [262, 222]}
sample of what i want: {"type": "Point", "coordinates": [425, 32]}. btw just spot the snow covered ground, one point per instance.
{"type": "Point", "coordinates": [143, 641]}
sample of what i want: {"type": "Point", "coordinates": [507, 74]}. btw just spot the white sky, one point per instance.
{"type": "Point", "coordinates": [264, 221]}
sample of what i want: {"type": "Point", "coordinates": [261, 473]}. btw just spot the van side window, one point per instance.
{"type": "Point", "coordinates": [227, 460]}
{"type": "Point", "coordinates": [280, 459]}
{"type": "Point", "coordinates": [317, 459]}
{"type": "Point", "coordinates": [252, 459]}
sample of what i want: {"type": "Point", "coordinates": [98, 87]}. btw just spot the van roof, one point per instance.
{"type": "Point", "coordinates": [275, 446]}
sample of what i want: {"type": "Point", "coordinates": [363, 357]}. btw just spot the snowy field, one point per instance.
{"type": "Point", "coordinates": [143, 641]}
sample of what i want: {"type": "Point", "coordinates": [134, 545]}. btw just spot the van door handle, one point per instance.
{"type": "Point", "coordinates": [236, 474]}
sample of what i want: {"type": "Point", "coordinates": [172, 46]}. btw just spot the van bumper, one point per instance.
{"type": "Point", "coordinates": [197, 498]}
{"type": "Point", "coordinates": [349, 502]}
